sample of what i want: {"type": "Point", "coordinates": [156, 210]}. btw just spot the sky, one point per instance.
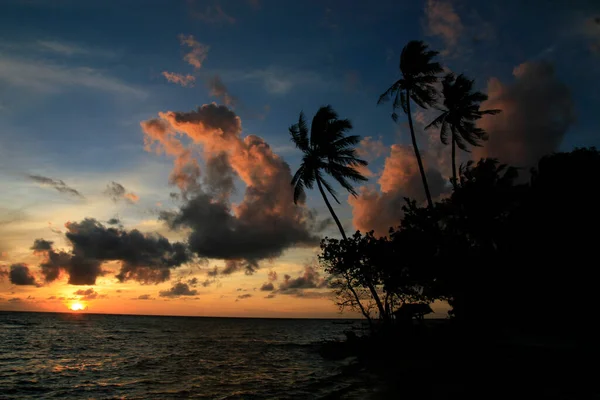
{"type": "Point", "coordinates": [145, 158]}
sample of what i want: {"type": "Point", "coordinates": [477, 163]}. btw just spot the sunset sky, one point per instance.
{"type": "Point", "coordinates": [145, 159]}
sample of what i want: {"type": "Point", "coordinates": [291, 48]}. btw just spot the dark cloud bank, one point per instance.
{"type": "Point", "coordinates": [147, 258]}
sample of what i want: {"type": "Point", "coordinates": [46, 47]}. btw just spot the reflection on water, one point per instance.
{"type": "Point", "coordinates": [134, 357]}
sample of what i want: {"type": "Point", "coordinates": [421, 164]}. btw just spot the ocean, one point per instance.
{"type": "Point", "coordinates": [93, 356]}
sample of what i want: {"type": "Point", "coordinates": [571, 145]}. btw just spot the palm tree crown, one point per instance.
{"type": "Point", "coordinates": [418, 76]}
{"type": "Point", "coordinates": [419, 73]}
{"type": "Point", "coordinates": [326, 151]}
{"type": "Point", "coordinates": [459, 115]}
{"type": "Point", "coordinates": [329, 151]}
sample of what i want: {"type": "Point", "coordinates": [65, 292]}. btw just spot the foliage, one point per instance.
{"type": "Point", "coordinates": [459, 115]}
{"type": "Point", "coordinates": [418, 78]}
{"type": "Point", "coordinates": [326, 151]}
{"type": "Point", "coordinates": [329, 151]}
{"type": "Point", "coordinates": [498, 250]}
{"type": "Point", "coordinates": [419, 74]}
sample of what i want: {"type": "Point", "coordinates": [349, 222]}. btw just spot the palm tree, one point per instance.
{"type": "Point", "coordinates": [458, 117]}
{"type": "Point", "coordinates": [418, 76]}
{"type": "Point", "coordinates": [328, 151]}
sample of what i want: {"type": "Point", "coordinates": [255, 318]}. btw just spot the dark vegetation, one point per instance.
{"type": "Point", "coordinates": [511, 251]}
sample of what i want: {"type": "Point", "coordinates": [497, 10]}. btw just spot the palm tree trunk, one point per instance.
{"type": "Point", "coordinates": [335, 218]}
{"type": "Point", "coordinates": [370, 285]}
{"type": "Point", "coordinates": [341, 228]}
{"type": "Point", "coordinates": [417, 154]}
{"type": "Point", "coordinates": [454, 178]}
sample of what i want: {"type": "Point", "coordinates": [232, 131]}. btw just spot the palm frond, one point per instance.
{"type": "Point", "coordinates": [436, 123]}
{"type": "Point", "coordinates": [328, 151]}
{"type": "Point", "coordinates": [444, 133]}
{"type": "Point", "coordinates": [328, 187]}
{"type": "Point", "coordinates": [299, 192]}
{"type": "Point", "coordinates": [345, 171]}
{"type": "Point", "coordinates": [299, 133]}
{"type": "Point", "coordinates": [390, 91]}
{"type": "Point", "coordinates": [349, 161]}
{"type": "Point", "coordinates": [319, 124]}
{"type": "Point", "coordinates": [298, 183]}
{"type": "Point", "coordinates": [346, 141]}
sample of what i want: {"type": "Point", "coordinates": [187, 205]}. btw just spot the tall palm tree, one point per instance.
{"type": "Point", "coordinates": [417, 84]}
{"type": "Point", "coordinates": [328, 151]}
{"type": "Point", "coordinates": [459, 116]}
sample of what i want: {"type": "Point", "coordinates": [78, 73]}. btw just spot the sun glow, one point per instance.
{"type": "Point", "coordinates": [77, 307]}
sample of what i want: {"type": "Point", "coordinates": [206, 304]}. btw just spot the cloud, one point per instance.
{"type": "Point", "coordinates": [57, 184]}
{"type": "Point", "coordinates": [244, 296]}
{"type": "Point", "coordinates": [218, 89]}
{"type": "Point", "coordinates": [272, 276]}
{"type": "Point", "coordinates": [219, 176]}
{"type": "Point", "coordinates": [264, 223]}
{"type": "Point", "coordinates": [537, 110]}
{"type": "Point", "coordinates": [41, 245]}
{"type": "Point", "coordinates": [145, 297]}
{"type": "Point", "coordinates": [3, 274]}
{"type": "Point", "coordinates": [379, 210]}
{"type": "Point", "coordinates": [370, 149]}
{"type": "Point", "coordinates": [50, 78]}
{"type": "Point", "coordinates": [214, 15]}
{"type": "Point", "coordinates": [443, 21]}
{"type": "Point", "coordinates": [208, 282]}
{"type": "Point", "coordinates": [310, 279]}
{"type": "Point", "coordinates": [88, 294]}
{"type": "Point", "coordinates": [280, 81]}
{"type": "Point", "coordinates": [20, 275]}
{"type": "Point", "coordinates": [307, 294]}
{"type": "Point", "coordinates": [146, 258]}
{"type": "Point", "coordinates": [179, 289]}
{"type": "Point", "coordinates": [70, 49]}
{"type": "Point", "coordinates": [117, 192]}
{"type": "Point", "coordinates": [192, 282]}
{"type": "Point", "coordinates": [267, 287]}
{"type": "Point", "coordinates": [179, 79]}
{"type": "Point", "coordinates": [198, 51]}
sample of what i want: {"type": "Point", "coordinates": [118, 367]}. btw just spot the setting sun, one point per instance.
{"type": "Point", "coordinates": [77, 307]}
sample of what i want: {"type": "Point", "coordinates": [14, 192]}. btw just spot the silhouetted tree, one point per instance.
{"type": "Point", "coordinates": [358, 258]}
{"type": "Point", "coordinates": [459, 115]}
{"type": "Point", "coordinates": [328, 150]}
{"type": "Point", "coordinates": [417, 84]}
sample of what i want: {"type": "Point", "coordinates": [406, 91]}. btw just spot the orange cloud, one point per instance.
{"type": "Point", "coordinates": [132, 197]}
{"type": "Point", "coordinates": [198, 51]}
{"type": "Point", "coordinates": [265, 222]}
{"type": "Point", "coordinates": [380, 210]}
{"type": "Point", "coordinates": [117, 192]}
{"type": "Point", "coordinates": [179, 79]}
{"type": "Point", "coordinates": [537, 110]}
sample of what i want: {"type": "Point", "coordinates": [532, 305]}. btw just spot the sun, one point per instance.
{"type": "Point", "coordinates": [77, 307]}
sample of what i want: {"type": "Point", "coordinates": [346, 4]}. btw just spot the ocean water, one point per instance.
{"type": "Point", "coordinates": [91, 356]}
